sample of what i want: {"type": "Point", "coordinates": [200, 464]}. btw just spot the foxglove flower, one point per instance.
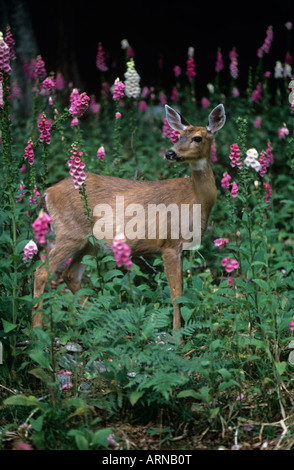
{"type": "Point", "coordinates": [257, 122]}
{"type": "Point", "coordinates": [1, 95]}
{"type": "Point", "coordinates": [101, 153]}
{"type": "Point", "coordinates": [20, 445]}
{"type": "Point", "coordinates": [77, 168]}
{"type": "Point", "coordinates": [34, 200]}
{"type": "Point", "coordinates": [251, 159]}
{"type": "Point", "coordinates": [269, 153]}
{"type": "Point", "coordinates": [177, 70]}
{"type": "Point", "coordinates": [225, 182]}
{"type": "Point", "coordinates": [256, 94]}
{"type": "Point", "coordinates": [78, 103]}
{"type": "Point", "coordinates": [41, 227]}
{"type": "Point", "coordinates": [235, 92]}
{"type": "Point", "coordinates": [282, 132]}
{"type": "Point", "coordinates": [121, 251]}
{"type": "Point", "coordinates": [278, 70]}
{"type": "Point", "coordinates": [16, 91]}
{"type": "Point", "coordinates": [219, 61]}
{"type": "Point", "coordinates": [40, 70]}
{"type": "Point", "coordinates": [132, 87]}
{"type": "Point", "coordinates": [94, 107]}
{"type": "Point", "coordinates": [266, 159]}
{"type": "Point", "coordinates": [234, 63]}
{"type": "Point", "coordinates": [265, 48]}
{"type": "Point", "coordinates": [4, 56]}
{"type": "Point", "coordinates": [287, 71]}
{"type": "Point", "coordinates": [21, 195]}
{"type": "Point", "coordinates": [118, 92]}
{"type": "Point", "coordinates": [48, 85]}
{"type": "Point", "coordinates": [74, 122]}
{"type": "Point", "coordinates": [229, 265]}
{"type": "Point", "coordinates": [268, 191]}
{"type": "Point", "coordinates": [100, 59]}
{"type": "Point", "coordinates": [59, 82]}
{"type": "Point", "coordinates": [234, 190]}
{"type": "Point", "coordinates": [142, 106]}
{"type": "Point", "coordinates": [112, 443]}
{"type": "Point", "coordinates": [174, 95]}
{"type": "Point", "coordinates": [220, 242]}
{"type": "Point", "coordinates": [205, 103]}
{"type": "Point", "coordinates": [29, 152]}
{"type": "Point", "coordinates": [166, 129]}
{"type": "Point", "coordinates": [191, 69]}
{"type": "Point", "coordinates": [233, 264]}
{"type": "Point", "coordinates": [10, 43]}
{"type": "Point", "coordinates": [29, 251]}
{"type": "Point", "coordinates": [213, 152]}
{"type": "Point", "coordinates": [174, 136]}
{"type": "Point", "coordinates": [44, 128]}
{"type": "Point", "coordinates": [235, 156]}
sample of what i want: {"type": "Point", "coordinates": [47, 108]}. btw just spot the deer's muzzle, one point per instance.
{"type": "Point", "coordinates": [171, 155]}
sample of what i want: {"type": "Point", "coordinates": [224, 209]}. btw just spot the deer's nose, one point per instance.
{"type": "Point", "coordinates": [171, 155]}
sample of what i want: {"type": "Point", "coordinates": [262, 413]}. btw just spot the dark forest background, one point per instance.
{"type": "Point", "coordinates": [66, 34]}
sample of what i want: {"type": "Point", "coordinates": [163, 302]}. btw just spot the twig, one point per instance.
{"type": "Point", "coordinates": [8, 389]}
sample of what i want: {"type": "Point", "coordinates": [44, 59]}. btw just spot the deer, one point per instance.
{"type": "Point", "coordinates": [71, 226]}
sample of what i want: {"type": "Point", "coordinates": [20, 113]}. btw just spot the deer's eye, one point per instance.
{"type": "Point", "coordinates": [197, 139]}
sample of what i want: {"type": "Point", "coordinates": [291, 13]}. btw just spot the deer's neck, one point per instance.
{"type": "Point", "coordinates": [204, 184]}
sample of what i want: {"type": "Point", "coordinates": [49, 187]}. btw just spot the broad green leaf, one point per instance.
{"type": "Point", "coordinates": [41, 375]}
{"type": "Point", "coordinates": [100, 437]}
{"type": "Point", "coordinates": [113, 273]}
{"type": "Point", "coordinates": [186, 313]}
{"type": "Point", "coordinates": [37, 423]}
{"type": "Point", "coordinates": [41, 358]}
{"type": "Point", "coordinates": [81, 441]}
{"type": "Point", "coordinates": [7, 326]}
{"type": "Point", "coordinates": [135, 396]}
{"type": "Point", "coordinates": [188, 394]}
{"type": "Point", "coordinates": [281, 367]}
{"type": "Point", "coordinates": [22, 400]}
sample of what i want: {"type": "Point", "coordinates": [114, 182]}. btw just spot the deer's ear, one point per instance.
{"type": "Point", "coordinates": [216, 119]}
{"type": "Point", "coordinates": [175, 120]}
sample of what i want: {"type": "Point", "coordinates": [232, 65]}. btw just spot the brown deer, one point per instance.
{"type": "Point", "coordinates": [63, 203]}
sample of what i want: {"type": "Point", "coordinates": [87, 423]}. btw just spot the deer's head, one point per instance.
{"type": "Point", "coordinates": [194, 143]}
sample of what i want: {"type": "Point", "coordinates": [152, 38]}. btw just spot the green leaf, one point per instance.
{"type": "Point", "coordinates": [22, 400]}
{"type": "Point", "coordinates": [186, 313]}
{"type": "Point", "coordinates": [227, 384]}
{"type": "Point", "coordinates": [281, 367]}
{"type": "Point", "coordinates": [261, 283]}
{"type": "Point", "coordinates": [37, 423]}
{"type": "Point", "coordinates": [188, 394]}
{"type": "Point", "coordinates": [135, 396]}
{"type": "Point", "coordinates": [100, 437]}
{"type": "Point", "coordinates": [84, 291]}
{"type": "Point", "coordinates": [7, 326]}
{"type": "Point", "coordinates": [81, 441]}
{"type": "Point", "coordinates": [41, 375]}
{"type": "Point", "coordinates": [41, 358]}
{"type": "Point", "coordinates": [113, 273]}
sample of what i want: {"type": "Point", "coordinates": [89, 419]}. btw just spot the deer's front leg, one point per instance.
{"type": "Point", "coordinates": [172, 260]}
{"type": "Point", "coordinates": [40, 279]}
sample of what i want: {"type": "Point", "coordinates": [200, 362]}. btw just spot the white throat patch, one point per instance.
{"type": "Point", "coordinates": [199, 165]}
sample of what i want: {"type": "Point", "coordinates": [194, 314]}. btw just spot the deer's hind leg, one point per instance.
{"type": "Point", "coordinates": [72, 274]}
